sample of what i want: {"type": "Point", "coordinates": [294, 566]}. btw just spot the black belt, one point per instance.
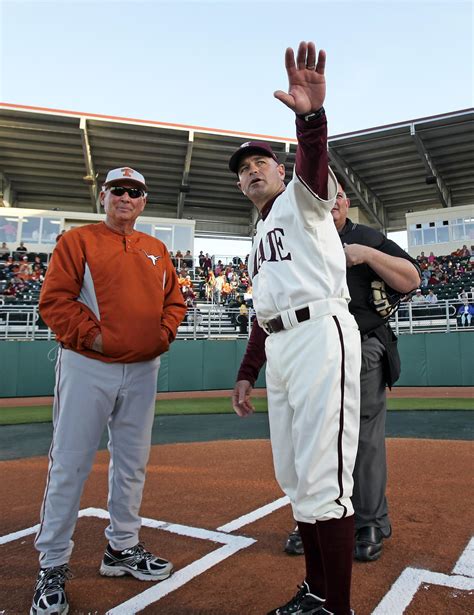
{"type": "Point", "coordinates": [276, 324]}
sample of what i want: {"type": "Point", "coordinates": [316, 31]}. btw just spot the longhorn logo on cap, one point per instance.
{"type": "Point", "coordinates": [127, 172]}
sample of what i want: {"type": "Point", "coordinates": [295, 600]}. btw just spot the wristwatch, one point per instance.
{"type": "Point", "coordinates": [312, 115]}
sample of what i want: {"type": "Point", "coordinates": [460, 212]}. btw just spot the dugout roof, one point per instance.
{"type": "Point", "coordinates": [57, 159]}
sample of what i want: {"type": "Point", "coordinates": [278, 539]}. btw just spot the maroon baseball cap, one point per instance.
{"type": "Point", "coordinates": [248, 148]}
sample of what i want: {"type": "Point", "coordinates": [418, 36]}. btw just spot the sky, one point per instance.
{"type": "Point", "coordinates": [217, 64]}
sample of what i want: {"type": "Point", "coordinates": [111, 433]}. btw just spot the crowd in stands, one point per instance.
{"type": "Point", "coordinates": [227, 284]}
{"type": "Point", "coordinates": [21, 274]}
{"type": "Point", "coordinates": [449, 277]}
{"type": "Point", "coordinates": [218, 283]}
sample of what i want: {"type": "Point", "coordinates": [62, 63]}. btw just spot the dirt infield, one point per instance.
{"type": "Point", "coordinates": [208, 485]}
{"type": "Point", "coordinates": [406, 392]}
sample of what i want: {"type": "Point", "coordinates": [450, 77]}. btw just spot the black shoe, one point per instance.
{"type": "Point", "coordinates": [368, 544]}
{"type": "Point", "coordinates": [137, 562]}
{"type": "Point", "coordinates": [294, 544]}
{"type": "Point", "coordinates": [49, 597]}
{"type": "Point", "coordinates": [326, 612]}
{"type": "Point", "coordinates": [304, 603]}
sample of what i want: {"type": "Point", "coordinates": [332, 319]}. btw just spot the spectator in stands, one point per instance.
{"type": "Point", "coordinates": [11, 267]}
{"type": "Point", "coordinates": [431, 297]}
{"type": "Point", "coordinates": [4, 251]}
{"type": "Point", "coordinates": [183, 270]}
{"type": "Point", "coordinates": [434, 279]}
{"type": "Point", "coordinates": [431, 258]}
{"type": "Point", "coordinates": [188, 259]}
{"type": "Point", "coordinates": [38, 273]}
{"type": "Point", "coordinates": [465, 313]}
{"type": "Point", "coordinates": [207, 264]}
{"type": "Point", "coordinates": [201, 259]}
{"type": "Point", "coordinates": [418, 297]}
{"type": "Point", "coordinates": [210, 283]}
{"type": "Point", "coordinates": [218, 287]}
{"type": "Point", "coordinates": [463, 295]}
{"type": "Point", "coordinates": [179, 258]}
{"type": "Point", "coordinates": [226, 291]}
{"type": "Point", "coordinates": [244, 281]}
{"type": "Point", "coordinates": [422, 261]}
{"type": "Point", "coordinates": [184, 281]}
{"type": "Point", "coordinates": [218, 268]}
{"type": "Point", "coordinates": [24, 269]}
{"type": "Point", "coordinates": [37, 261]}
{"type": "Point", "coordinates": [22, 247]}
{"type": "Point", "coordinates": [243, 318]}
{"type": "Point", "coordinates": [10, 289]}
{"type": "Point", "coordinates": [425, 277]}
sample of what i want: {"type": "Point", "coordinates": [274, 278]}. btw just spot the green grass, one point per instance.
{"type": "Point", "coordinates": [222, 405]}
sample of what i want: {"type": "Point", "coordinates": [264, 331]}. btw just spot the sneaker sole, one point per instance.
{"type": "Point", "coordinates": [120, 571]}
{"type": "Point", "coordinates": [51, 611]}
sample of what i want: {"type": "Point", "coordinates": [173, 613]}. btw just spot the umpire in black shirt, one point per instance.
{"type": "Point", "coordinates": [379, 274]}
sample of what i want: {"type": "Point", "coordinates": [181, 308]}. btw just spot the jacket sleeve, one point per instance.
{"type": "Point", "coordinates": [174, 307]}
{"type": "Point", "coordinates": [74, 323]}
{"type": "Point", "coordinates": [254, 357]}
{"type": "Point", "coordinates": [313, 186]}
{"type": "Point", "coordinates": [311, 164]}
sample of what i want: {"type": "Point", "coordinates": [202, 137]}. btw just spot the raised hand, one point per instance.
{"type": "Point", "coordinates": [307, 85]}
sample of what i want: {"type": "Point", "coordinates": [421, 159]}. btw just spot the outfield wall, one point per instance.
{"type": "Point", "coordinates": [434, 359]}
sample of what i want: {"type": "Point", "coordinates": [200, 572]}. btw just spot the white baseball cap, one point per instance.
{"type": "Point", "coordinates": [125, 174]}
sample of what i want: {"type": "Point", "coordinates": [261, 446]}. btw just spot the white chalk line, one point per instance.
{"type": "Point", "coordinates": [465, 564]}
{"type": "Point", "coordinates": [263, 511]}
{"type": "Point", "coordinates": [231, 545]}
{"type": "Point", "coordinates": [405, 587]}
{"type": "Point", "coordinates": [180, 578]}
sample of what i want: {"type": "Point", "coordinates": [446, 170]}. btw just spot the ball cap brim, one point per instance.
{"type": "Point", "coordinates": [123, 175]}
{"type": "Point", "coordinates": [247, 149]}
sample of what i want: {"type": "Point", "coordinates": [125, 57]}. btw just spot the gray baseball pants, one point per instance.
{"type": "Point", "coordinates": [90, 395]}
{"type": "Point", "coordinates": [370, 472]}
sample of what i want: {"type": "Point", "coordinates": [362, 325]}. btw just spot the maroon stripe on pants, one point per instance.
{"type": "Point", "coordinates": [341, 417]}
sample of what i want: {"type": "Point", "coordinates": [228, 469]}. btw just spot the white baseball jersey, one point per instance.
{"type": "Point", "coordinates": [297, 256]}
{"type": "Point", "coordinates": [312, 374]}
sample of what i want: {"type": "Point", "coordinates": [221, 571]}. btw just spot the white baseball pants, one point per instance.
{"type": "Point", "coordinates": [313, 381]}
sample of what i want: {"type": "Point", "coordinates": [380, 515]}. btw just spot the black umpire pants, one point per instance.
{"type": "Point", "coordinates": [370, 472]}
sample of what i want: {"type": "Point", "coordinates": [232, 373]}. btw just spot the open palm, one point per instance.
{"type": "Point", "coordinates": [307, 84]}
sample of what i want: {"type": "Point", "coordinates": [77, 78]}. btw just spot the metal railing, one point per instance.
{"type": "Point", "coordinates": [23, 322]}
{"type": "Point", "coordinates": [440, 317]}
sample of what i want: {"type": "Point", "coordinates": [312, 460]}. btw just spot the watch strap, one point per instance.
{"type": "Point", "coordinates": [312, 115]}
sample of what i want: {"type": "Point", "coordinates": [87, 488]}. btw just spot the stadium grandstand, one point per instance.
{"type": "Point", "coordinates": [415, 175]}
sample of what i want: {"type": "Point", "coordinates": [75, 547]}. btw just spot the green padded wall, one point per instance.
{"type": "Point", "coordinates": [27, 368]}
{"type": "Point", "coordinates": [434, 359]}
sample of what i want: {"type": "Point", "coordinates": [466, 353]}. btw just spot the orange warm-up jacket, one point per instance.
{"type": "Point", "coordinates": [122, 286]}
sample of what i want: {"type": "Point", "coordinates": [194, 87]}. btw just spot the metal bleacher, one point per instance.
{"type": "Point", "coordinates": [20, 318]}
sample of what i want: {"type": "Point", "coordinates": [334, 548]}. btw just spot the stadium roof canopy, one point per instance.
{"type": "Point", "coordinates": [54, 159]}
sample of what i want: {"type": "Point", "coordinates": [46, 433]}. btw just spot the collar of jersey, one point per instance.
{"type": "Point", "coordinates": [266, 209]}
